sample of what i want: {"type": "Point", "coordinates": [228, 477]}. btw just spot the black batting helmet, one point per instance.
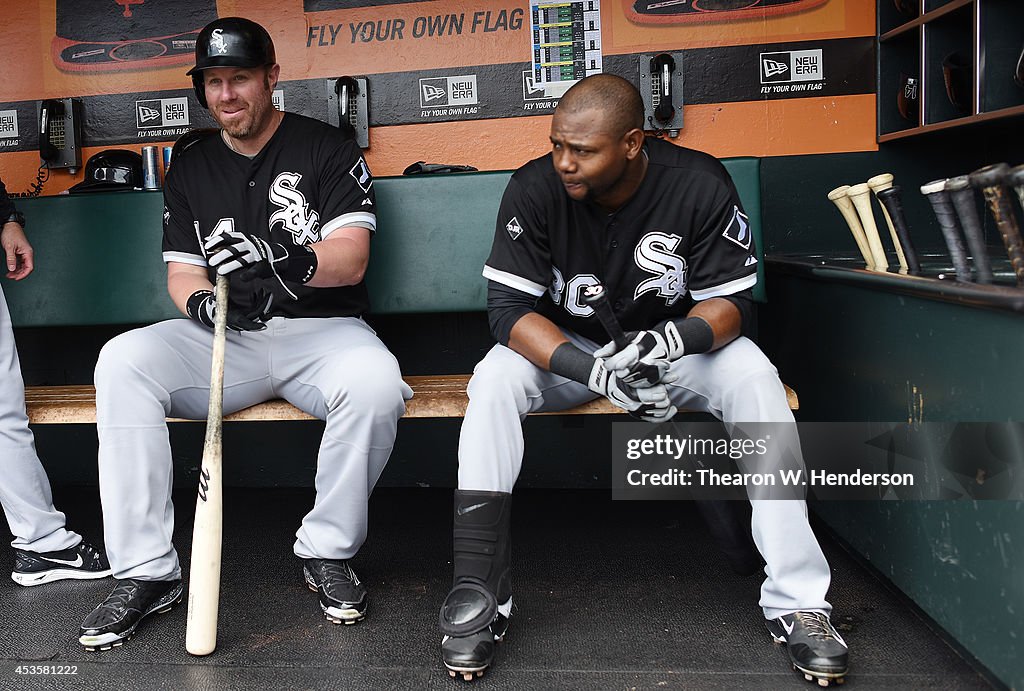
{"type": "Point", "coordinates": [230, 42]}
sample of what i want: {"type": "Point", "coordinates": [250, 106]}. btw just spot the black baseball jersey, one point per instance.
{"type": "Point", "coordinates": [681, 238]}
{"type": "Point", "coordinates": [307, 182]}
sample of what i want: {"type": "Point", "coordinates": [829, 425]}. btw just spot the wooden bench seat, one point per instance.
{"type": "Point", "coordinates": [435, 235]}
{"type": "Point", "coordinates": [435, 396]}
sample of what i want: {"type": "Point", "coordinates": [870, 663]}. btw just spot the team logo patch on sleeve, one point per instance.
{"type": "Point", "coordinates": [738, 230]}
{"type": "Point", "coordinates": [513, 228]}
{"type": "Point", "coordinates": [361, 174]}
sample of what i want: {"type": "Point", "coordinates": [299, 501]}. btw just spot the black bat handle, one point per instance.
{"type": "Point", "coordinates": [597, 298]}
{"type": "Point", "coordinates": [964, 200]}
{"type": "Point", "coordinates": [891, 199]}
{"type": "Point", "coordinates": [990, 180]}
{"type": "Point", "coordinates": [943, 207]}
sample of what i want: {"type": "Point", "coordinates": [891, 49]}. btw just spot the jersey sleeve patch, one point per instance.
{"type": "Point", "coordinates": [361, 174]}
{"type": "Point", "coordinates": [513, 228]}
{"type": "Point", "coordinates": [738, 230]}
{"type": "Point", "coordinates": [513, 281]}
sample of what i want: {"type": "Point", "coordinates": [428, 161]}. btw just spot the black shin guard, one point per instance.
{"type": "Point", "coordinates": [482, 562]}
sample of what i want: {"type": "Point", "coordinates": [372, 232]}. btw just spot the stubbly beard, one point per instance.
{"type": "Point", "coordinates": [257, 118]}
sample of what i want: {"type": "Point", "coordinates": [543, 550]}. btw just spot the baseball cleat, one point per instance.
{"type": "Point", "coordinates": [815, 648]}
{"type": "Point", "coordinates": [468, 656]}
{"type": "Point", "coordinates": [82, 561]}
{"type": "Point", "coordinates": [115, 620]}
{"type": "Point", "coordinates": [342, 595]}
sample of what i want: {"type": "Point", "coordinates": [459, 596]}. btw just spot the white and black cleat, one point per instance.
{"type": "Point", "coordinates": [815, 648]}
{"type": "Point", "coordinates": [342, 594]}
{"type": "Point", "coordinates": [115, 620]}
{"type": "Point", "coordinates": [469, 656]}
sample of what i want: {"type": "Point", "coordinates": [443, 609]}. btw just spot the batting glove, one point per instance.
{"type": "Point", "coordinates": [645, 361]}
{"type": "Point", "coordinates": [232, 250]}
{"type": "Point", "coordinates": [649, 403]}
{"type": "Point", "coordinates": [202, 306]}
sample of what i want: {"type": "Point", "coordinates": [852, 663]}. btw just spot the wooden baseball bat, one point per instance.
{"type": "Point", "coordinates": [845, 206]}
{"type": "Point", "coordinates": [962, 194]}
{"type": "Point", "coordinates": [943, 208]}
{"type": "Point", "coordinates": [1016, 179]}
{"type": "Point", "coordinates": [204, 576]}
{"type": "Point", "coordinates": [877, 184]}
{"type": "Point", "coordinates": [891, 204]}
{"type": "Point", "coordinates": [860, 195]}
{"type": "Point", "coordinates": [991, 181]}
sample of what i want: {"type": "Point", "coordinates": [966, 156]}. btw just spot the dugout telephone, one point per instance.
{"type": "Point", "coordinates": [661, 87]}
{"type": "Point", "coordinates": [60, 133]}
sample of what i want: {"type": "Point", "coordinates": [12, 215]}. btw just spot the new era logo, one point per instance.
{"type": "Point", "coordinates": [161, 112]}
{"type": "Point", "coordinates": [792, 66]}
{"type": "Point", "coordinates": [8, 124]}
{"type": "Point", "coordinates": [147, 114]}
{"type": "Point", "coordinates": [771, 68]}
{"type": "Point", "coordinates": [438, 92]}
{"type": "Point", "coordinates": [532, 91]}
{"type": "Point", "coordinates": [432, 93]}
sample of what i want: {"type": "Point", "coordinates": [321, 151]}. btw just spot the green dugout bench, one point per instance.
{"type": "Point", "coordinates": [434, 234]}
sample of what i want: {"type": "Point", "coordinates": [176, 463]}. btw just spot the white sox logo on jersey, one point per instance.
{"type": "Point", "coordinates": [294, 213]}
{"type": "Point", "coordinates": [655, 254]}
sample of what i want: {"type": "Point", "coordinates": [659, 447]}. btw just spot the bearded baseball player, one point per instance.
{"type": "Point", "coordinates": [284, 206]}
{"type": "Point", "coordinates": [44, 549]}
{"type": "Point", "coordinates": [662, 228]}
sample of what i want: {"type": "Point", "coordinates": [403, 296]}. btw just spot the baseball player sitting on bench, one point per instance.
{"type": "Point", "coordinates": [663, 229]}
{"type": "Point", "coordinates": [284, 206]}
{"type": "Point", "coordinates": [44, 549]}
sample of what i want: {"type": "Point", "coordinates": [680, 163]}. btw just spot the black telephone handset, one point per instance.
{"type": "Point", "coordinates": [662, 67]}
{"type": "Point", "coordinates": [348, 103]}
{"type": "Point", "coordinates": [60, 133]}
{"type": "Point", "coordinates": [50, 111]}
{"type": "Point", "coordinates": [347, 89]}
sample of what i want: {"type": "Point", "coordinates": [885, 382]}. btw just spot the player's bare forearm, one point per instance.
{"type": "Point", "coordinates": [535, 338]}
{"type": "Point", "coordinates": [183, 280]}
{"type": "Point", "coordinates": [341, 258]}
{"type": "Point", "coordinates": [722, 316]}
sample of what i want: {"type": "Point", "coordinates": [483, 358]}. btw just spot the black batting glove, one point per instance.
{"type": "Point", "coordinates": [202, 306]}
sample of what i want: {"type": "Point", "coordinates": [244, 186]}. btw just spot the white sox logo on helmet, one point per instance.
{"type": "Point", "coordinates": [217, 41]}
{"type": "Point", "coordinates": [294, 213]}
